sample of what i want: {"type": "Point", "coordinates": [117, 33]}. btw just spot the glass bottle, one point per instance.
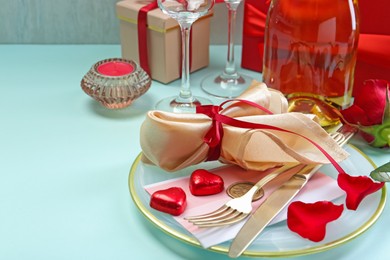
{"type": "Point", "coordinates": [310, 54]}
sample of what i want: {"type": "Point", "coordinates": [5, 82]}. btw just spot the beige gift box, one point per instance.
{"type": "Point", "coordinates": [163, 40]}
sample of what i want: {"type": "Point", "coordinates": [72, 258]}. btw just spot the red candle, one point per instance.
{"type": "Point", "coordinates": [115, 68]}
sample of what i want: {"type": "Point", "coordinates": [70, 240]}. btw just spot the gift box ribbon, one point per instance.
{"type": "Point", "coordinates": [142, 35]}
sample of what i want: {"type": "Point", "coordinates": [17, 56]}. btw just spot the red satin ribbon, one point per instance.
{"type": "Point", "coordinates": [214, 136]}
{"type": "Point", "coordinates": [142, 35]}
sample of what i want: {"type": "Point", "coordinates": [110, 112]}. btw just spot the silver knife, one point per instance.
{"type": "Point", "coordinates": [270, 208]}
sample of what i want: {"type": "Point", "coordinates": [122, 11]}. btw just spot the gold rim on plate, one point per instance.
{"type": "Point", "coordinates": [223, 249]}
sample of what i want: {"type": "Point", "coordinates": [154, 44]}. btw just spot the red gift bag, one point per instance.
{"type": "Point", "coordinates": [373, 58]}
{"type": "Point", "coordinates": [255, 12]}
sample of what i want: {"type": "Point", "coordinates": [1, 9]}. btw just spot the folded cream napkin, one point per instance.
{"type": "Point", "coordinates": [174, 141]}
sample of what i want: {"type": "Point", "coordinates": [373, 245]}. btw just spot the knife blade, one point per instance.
{"type": "Point", "coordinates": [270, 208]}
{"type": "Point", "coordinates": [267, 211]}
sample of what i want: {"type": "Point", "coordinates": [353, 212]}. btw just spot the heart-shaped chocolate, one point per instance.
{"type": "Point", "coordinates": [172, 201]}
{"type": "Point", "coordinates": [203, 182]}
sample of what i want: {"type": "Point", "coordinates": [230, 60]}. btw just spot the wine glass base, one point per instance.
{"type": "Point", "coordinates": [219, 86]}
{"type": "Point", "coordinates": [173, 104]}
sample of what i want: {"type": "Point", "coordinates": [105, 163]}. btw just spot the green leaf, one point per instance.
{"type": "Point", "coordinates": [381, 173]}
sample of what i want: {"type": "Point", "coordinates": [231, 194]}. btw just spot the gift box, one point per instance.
{"type": "Point", "coordinates": [255, 12]}
{"type": "Point", "coordinates": [153, 39]}
{"type": "Point", "coordinates": [373, 58]}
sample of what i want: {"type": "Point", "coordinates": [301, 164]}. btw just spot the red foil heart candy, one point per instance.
{"type": "Point", "coordinates": [172, 201]}
{"type": "Point", "coordinates": [203, 182]}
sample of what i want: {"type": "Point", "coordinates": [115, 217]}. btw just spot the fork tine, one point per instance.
{"type": "Point", "coordinates": [224, 222]}
{"type": "Point", "coordinates": [210, 214]}
{"type": "Point", "coordinates": [230, 212]}
{"type": "Point", "coordinates": [338, 137]}
{"type": "Point", "coordinates": [222, 215]}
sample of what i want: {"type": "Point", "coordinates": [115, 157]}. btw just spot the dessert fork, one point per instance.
{"type": "Point", "coordinates": [239, 208]}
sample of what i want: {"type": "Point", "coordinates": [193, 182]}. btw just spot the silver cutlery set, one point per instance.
{"type": "Point", "coordinates": [239, 209]}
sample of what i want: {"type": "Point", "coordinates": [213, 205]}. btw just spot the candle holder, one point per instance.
{"type": "Point", "coordinates": [115, 83]}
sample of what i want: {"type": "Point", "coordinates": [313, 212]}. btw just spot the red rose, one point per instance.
{"type": "Point", "coordinates": [370, 112]}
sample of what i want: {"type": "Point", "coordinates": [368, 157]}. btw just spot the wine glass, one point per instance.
{"type": "Point", "coordinates": [185, 12]}
{"type": "Point", "coordinates": [229, 83]}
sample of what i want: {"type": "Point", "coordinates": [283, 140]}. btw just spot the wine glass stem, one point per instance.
{"type": "Point", "coordinates": [185, 92]}
{"type": "Point", "coordinates": [230, 68]}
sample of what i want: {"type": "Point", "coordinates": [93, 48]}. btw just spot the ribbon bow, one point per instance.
{"type": "Point", "coordinates": [214, 136]}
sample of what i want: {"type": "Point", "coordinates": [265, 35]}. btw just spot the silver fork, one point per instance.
{"type": "Point", "coordinates": [239, 208]}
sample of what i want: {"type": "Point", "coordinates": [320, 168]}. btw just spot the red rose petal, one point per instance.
{"type": "Point", "coordinates": [372, 99]}
{"type": "Point", "coordinates": [355, 115]}
{"type": "Point", "coordinates": [309, 220]}
{"type": "Point", "coordinates": [203, 182]}
{"type": "Point", "coordinates": [369, 104]}
{"type": "Point", "coordinates": [172, 201]}
{"type": "Point", "coordinates": [357, 188]}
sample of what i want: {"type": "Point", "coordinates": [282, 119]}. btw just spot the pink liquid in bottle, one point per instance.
{"type": "Point", "coordinates": [310, 52]}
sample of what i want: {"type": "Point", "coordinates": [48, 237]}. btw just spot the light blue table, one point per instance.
{"type": "Point", "coordinates": [65, 162]}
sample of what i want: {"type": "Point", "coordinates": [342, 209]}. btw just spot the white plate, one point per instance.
{"type": "Point", "coordinates": [276, 240]}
